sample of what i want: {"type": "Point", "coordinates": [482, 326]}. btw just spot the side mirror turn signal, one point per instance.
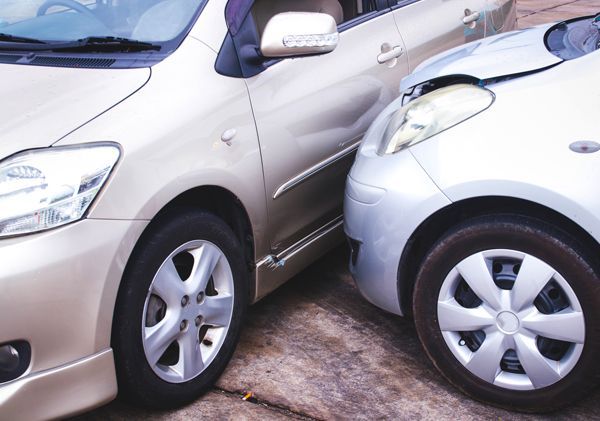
{"type": "Point", "coordinates": [294, 34]}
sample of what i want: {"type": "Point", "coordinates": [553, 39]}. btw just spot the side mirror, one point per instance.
{"type": "Point", "coordinates": [293, 34]}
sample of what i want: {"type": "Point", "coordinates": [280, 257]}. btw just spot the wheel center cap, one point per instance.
{"type": "Point", "coordinates": [507, 322]}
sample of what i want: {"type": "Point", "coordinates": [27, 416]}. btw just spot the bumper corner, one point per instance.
{"type": "Point", "coordinates": [63, 391]}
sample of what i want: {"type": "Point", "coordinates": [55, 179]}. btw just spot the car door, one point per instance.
{"type": "Point", "coordinates": [501, 16]}
{"type": "Point", "coordinates": [312, 112]}
{"type": "Point", "coordinates": [429, 27]}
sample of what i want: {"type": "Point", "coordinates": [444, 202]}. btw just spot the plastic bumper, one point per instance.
{"type": "Point", "coordinates": [61, 391]}
{"type": "Point", "coordinates": [58, 293]}
{"type": "Point", "coordinates": [386, 199]}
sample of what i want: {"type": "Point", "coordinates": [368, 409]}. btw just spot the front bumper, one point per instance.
{"type": "Point", "coordinates": [58, 292]}
{"type": "Point", "coordinates": [61, 391]}
{"type": "Point", "coordinates": [387, 198]}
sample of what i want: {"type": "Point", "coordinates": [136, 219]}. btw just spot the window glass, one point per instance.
{"type": "Point", "coordinates": [70, 20]}
{"type": "Point", "coordinates": [341, 10]}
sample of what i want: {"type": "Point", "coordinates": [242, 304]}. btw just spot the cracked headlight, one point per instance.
{"type": "Point", "coordinates": [433, 113]}
{"type": "Point", "coordinates": [47, 188]}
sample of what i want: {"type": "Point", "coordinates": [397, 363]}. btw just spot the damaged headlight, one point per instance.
{"type": "Point", "coordinates": [47, 188]}
{"type": "Point", "coordinates": [433, 113]}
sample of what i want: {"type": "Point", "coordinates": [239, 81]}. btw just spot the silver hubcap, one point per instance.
{"type": "Point", "coordinates": [188, 311]}
{"type": "Point", "coordinates": [511, 319]}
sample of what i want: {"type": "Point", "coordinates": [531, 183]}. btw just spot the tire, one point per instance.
{"type": "Point", "coordinates": [484, 276]}
{"type": "Point", "coordinates": [196, 322]}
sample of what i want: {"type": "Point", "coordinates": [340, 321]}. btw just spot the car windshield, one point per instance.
{"type": "Point", "coordinates": [574, 38]}
{"type": "Point", "coordinates": [27, 23]}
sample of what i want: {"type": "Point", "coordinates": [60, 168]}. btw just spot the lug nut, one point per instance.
{"type": "Point", "coordinates": [200, 297]}
{"type": "Point", "coordinates": [198, 320]}
{"type": "Point", "coordinates": [183, 325]}
{"type": "Point", "coordinates": [185, 300]}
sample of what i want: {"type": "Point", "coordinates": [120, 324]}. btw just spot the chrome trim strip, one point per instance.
{"type": "Point", "coordinates": [315, 169]}
{"type": "Point", "coordinates": [276, 261]}
{"type": "Point", "coordinates": [311, 238]}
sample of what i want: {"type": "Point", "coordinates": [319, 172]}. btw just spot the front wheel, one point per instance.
{"type": "Point", "coordinates": [179, 309]}
{"type": "Point", "coordinates": [507, 309]}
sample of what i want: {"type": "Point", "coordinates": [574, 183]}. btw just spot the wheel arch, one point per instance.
{"type": "Point", "coordinates": [224, 204]}
{"type": "Point", "coordinates": [430, 230]}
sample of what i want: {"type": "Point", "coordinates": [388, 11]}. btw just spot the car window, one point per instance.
{"type": "Point", "coordinates": [355, 8]}
{"type": "Point", "coordinates": [70, 20]}
{"type": "Point", "coordinates": [342, 11]}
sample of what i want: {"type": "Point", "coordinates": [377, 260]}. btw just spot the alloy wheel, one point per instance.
{"type": "Point", "coordinates": [188, 311]}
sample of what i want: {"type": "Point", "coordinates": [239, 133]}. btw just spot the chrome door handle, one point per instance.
{"type": "Point", "coordinates": [390, 55]}
{"type": "Point", "coordinates": [471, 17]}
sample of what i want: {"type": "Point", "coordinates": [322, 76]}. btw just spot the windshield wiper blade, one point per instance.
{"type": "Point", "coordinates": [104, 44]}
{"type": "Point", "coordinates": [18, 39]}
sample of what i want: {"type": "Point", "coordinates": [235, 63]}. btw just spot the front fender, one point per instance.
{"type": "Point", "coordinates": [170, 132]}
{"type": "Point", "coordinates": [568, 206]}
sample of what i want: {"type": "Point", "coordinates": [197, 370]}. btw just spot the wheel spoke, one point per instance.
{"type": "Point", "coordinates": [206, 259]}
{"type": "Point", "coordinates": [532, 278]}
{"type": "Point", "coordinates": [158, 338]}
{"type": "Point", "coordinates": [476, 273]}
{"type": "Point", "coordinates": [216, 311]}
{"type": "Point", "coordinates": [183, 308]}
{"type": "Point", "coordinates": [190, 361]}
{"type": "Point", "coordinates": [456, 318]}
{"type": "Point", "coordinates": [566, 326]}
{"type": "Point", "coordinates": [485, 362]}
{"type": "Point", "coordinates": [540, 370]}
{"type": "Point", "coordinates": [168, 285]}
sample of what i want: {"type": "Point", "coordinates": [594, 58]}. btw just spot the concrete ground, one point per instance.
{"type": "Point", "coordinates": [316, 350]}
{"type": "Point", "coordinates": [535, 12]}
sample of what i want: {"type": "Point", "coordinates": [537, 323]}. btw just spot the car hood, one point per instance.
{"type": "Point", "coordinates": [505, 54]}
{"type": "Point", "coordinates": [40, 105]}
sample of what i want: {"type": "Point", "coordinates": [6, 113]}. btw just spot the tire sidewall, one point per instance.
{"type": "Point", "coordinates": [137, 380]}
{"type": "Point", "coordinates": [531, 237]}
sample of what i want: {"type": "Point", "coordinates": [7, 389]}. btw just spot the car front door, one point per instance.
{"type": "Point", "coordinates": [312, 112]}
{"type": "Point", "coordinates": [429, 27]}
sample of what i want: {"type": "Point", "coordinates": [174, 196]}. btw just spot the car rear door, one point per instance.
{"type": "Point", "coordinates": [501, 16]}
{"type": "Point", "coordinates": [429, 27]}
{"type": "Point", "coordinates": [312, 112]}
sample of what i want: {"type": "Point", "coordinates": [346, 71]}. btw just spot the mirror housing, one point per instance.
{"type": "Point", "coordinates": [292, 34]}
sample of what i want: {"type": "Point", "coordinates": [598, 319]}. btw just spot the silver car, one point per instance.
{"type": "Point", "coordinates": [166, 162]}
{"type": "Point", "coordinates": [472, 206]}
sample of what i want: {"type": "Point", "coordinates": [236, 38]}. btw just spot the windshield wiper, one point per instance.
{"type": "Point", "coordinates": [103, 44]}
{"type": "Point", "coordinates": [17, 39]}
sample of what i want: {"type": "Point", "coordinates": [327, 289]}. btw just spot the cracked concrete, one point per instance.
{"type": "Point", "coordinates": [286, 412]}
{"type": "Point", "coordinates": [316, 350]}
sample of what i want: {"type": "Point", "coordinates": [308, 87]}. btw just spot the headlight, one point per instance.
{"type": "Point", "coordinates": [433, 113]}
{"type": "Point", "coordinates": [47, 188]}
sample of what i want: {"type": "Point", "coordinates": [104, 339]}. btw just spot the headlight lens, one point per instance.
{"type": "Point", "coordinates": [432, 114]}
{"type": "Point", "coordinates": [47, 188]}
